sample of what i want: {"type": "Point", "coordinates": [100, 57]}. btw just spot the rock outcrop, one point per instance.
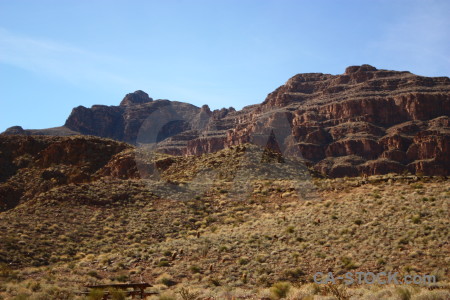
{"type": "Point", "coordinates": [124, 122]}
{"type": "Point", "coordinates": [138, 97]}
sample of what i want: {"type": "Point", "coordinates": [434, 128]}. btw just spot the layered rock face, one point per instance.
{"type": "Point", "coordinates": [365, 121]}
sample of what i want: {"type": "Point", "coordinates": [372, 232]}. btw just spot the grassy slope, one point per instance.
{"type": "Point", "coordinates": [119, 230]}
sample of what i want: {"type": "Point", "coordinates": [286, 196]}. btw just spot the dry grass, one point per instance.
{"type": "Point", "coordinates": [219, 245]}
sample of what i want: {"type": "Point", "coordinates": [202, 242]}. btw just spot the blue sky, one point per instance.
{"type": "Point", "coordinates": [55, 55]}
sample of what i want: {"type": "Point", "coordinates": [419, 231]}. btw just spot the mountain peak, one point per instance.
{"type": "Point", "coordinates": [362, 68]}
{"type": "Point", "coordinates": [138, 97]}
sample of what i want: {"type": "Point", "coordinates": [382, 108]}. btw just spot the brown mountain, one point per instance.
{"type": "Point", "coordinates": [75, 210]}
{"type": "Point", "coordinates": [365, 121]}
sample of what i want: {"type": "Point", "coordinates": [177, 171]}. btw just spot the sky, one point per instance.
{"type": "Point", "coordinates": [56, 55]}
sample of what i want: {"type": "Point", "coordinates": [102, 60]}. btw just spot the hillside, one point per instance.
{"type": "Point", "coordinates": [330, 173]}
{"type": "Point", "coordinates": [217, 224]}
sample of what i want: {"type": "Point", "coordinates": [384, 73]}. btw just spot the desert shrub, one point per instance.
{"type": "Point", "coordinates": [122, 278]}
{"type": "Point", "coordinates": [403, 241]}
{"type": "Point", "coordinates": [280, 289]}
{"type": "Point", "coordinates": [293, 274]}
{"type": "Point", "coordinates": [243, 261]}
{"type": "Point", "coordinates": [214, 281]}
{"type": "Point", "coordinates": [93, 274]}
{"type": "Point", "coordinates": [163, 263]}
{"type": "Point", "coordinates": [34, 286]}
{"type": "Point", "coordinates": [340, 292]}
{"type": "Point", "coordinates": [415, 219]}
{"type": "Point", "coordinates": [96, 294]}
{"type": "Point", "coordinates": [223, 248]}
{"type": "Point", "coordinates": [168, 296]}
{"type": "Point", "coordinates": [188, 295]}
{"type": "Point", "coordinates": [439, 274]}
{"type": "Point", "coordinates": [290, 229]}
{"type": "Point", "coordinates": [6, 273]}
{"type": "Point", "coordinates": [403, 293]}
{"type": "Point", "coordinates": [167, 280]}
{"type": "Point", "coordinates": [315, 288]}
{"type": "Point", "coordinates": [347, 263]}
{"type": "Point", "coordinates": [195, 269]}
{"type": "Point", "coordinates": [57, 293]}
{"type": "Point", "coordinates": [21, 297]}
{"type": "Point", "coordinates": [117, 294]}
{"type": "Point", "coordinates": [39, 296]}
{"type": "Point", "coordinates": [432, 295]}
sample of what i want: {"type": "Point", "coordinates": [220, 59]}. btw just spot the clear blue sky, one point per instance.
{"type": "Point", "coordinates": [55, 55]}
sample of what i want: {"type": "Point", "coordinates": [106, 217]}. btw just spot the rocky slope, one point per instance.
{"type": "Point", "coordinates": [32, 165]}
{"type": "Point", "coordinates": [85, 217]}
{"type": "Point", "coordinates": [76, 211]}
{"type": "Point", "coordinates": [365, 121]}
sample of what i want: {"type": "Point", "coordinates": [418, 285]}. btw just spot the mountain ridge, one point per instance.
{"type": "Point", "coordinates": [364, 121]}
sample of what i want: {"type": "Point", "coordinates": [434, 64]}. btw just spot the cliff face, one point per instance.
{"type": "Point", "coordinates": [365, 121]}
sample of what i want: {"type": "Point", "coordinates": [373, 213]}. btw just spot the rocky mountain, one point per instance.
{"type": "Point", "coordinates": [365, 121]}
{"type": "Point", "coordinates": [235, 213]}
